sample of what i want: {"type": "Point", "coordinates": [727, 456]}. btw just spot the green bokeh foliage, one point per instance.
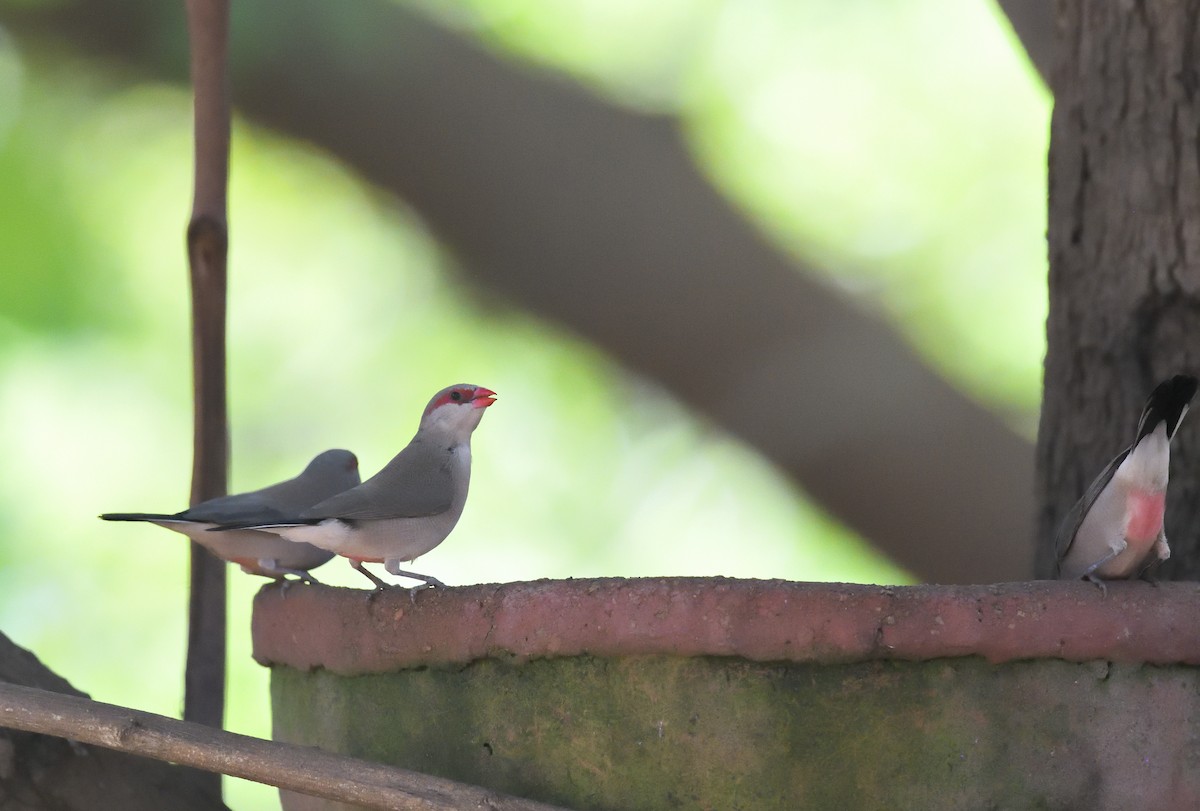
{"type": "Point", "coordinates": [856, 134]}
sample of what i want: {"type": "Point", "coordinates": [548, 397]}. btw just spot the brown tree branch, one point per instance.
{"type": "Point", "coordinates": [1033, 23]}
{"type": "Point", "coordinates": [598, 218]}
{"type": "Point", "coordinates": [207, 242]}
{"type": "Point", "coordinates": [295, 768]}
{"type": "Point", "coordinates": [37, 772]}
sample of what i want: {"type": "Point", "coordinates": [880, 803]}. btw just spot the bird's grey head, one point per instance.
{"type": "Point", "coordinates": [457, 409]}
{"type": "Point", "coordinates": [335, 465]}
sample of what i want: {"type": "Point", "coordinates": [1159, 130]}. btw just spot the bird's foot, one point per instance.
{"type": "Point", "coordinates": [1099, 584]}
{"type": "Point", "coordinates": [286, 583]}
{"type": "Point", "coordinates": [426, 580]}
{"type": "Point", "coordinates": [412, 592]}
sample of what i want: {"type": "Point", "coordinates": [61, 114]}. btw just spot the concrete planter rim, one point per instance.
{"type": "Point", "coordinates": [338, 629]}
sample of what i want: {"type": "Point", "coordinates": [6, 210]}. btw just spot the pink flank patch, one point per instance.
{"type": "Point", "coordinates": [1145, 515]}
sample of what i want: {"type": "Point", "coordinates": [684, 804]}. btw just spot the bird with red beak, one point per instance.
{"type": "Point", "coordinates": [1115, 531]}
{"type": "Point", "coordinates": [408, 507]}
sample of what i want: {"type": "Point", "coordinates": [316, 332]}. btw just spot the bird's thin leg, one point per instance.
{"type": "Point", "coordinates": [1161, 552]}
{"type": "Point", "coordinates": [1090, 573]}
{"type": "Point", "coordinates": [379, 584]}
{"type": "Point", "coordinates": [272, 568]}
{"type": "Point", "coordinates": [427, 582]}
{"type": "Point", "coordinates": [1162, 549]}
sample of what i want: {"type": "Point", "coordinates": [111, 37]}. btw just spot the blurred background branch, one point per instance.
{"type": "Point", "coordinates": [1033, 23]}
{"type": "Point", "coordinates": [597, 217]}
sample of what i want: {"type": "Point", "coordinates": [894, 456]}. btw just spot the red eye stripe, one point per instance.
{"type": "Point", "coordinates": [463, 396]}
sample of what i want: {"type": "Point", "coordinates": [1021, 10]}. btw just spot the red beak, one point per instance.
{"type": "Point", "coordinates": [483, 398]}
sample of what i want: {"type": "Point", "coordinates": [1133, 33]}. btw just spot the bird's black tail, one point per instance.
{"type": "Point", "coordinates": [1167, 404]}
{"type": "Point", "coordinates": [136, 517]}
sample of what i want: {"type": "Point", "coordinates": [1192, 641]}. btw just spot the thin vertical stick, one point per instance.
{"type": "Point", "coordinates": [207, 241]}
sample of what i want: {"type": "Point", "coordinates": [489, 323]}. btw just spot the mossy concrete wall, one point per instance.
{"type": "Point", "coordinates": [841, 705]}
{"type": "Point", "coordinates": [660, 732]}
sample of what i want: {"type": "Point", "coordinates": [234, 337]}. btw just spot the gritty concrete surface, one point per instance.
{"type": "Point", "coordinates": [760, 620]}
{"type": "Point", "coordinates": [705, 694]}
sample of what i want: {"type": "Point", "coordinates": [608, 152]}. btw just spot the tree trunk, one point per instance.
{"type": "Point", "coordinates": [1124, 242]}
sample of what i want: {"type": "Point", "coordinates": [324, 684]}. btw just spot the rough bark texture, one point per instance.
{"type": "Point", "coordinates": [597, 217]}
{"type": "Point", "coordinates": [45, 773]}
{"type": "Point", "coordinates": [1124, 243]}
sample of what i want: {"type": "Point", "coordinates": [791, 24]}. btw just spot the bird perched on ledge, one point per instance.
{"type": "Point", "coordinates": [1116, 530]}
{"type": "Point", "coordinates": [408, 507]}
{"type": "Point", "coordinates": [263, 553]}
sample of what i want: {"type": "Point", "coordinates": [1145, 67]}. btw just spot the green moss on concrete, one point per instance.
{"type": "Point", "coordinates": [659, 732]}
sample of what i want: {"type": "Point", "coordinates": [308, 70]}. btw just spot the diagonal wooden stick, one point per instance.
{"type": "Point", "coordinates": [207, 242]}
{"type": "Point", "coordinates": [287, 766]}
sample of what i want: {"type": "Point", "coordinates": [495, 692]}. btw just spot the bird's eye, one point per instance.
{"type": "Point", "coordinates": [455, 396]}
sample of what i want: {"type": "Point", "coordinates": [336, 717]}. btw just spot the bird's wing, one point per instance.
{"type": "Point", "coordinates": [240, 508]}
{"type": "Point", "coordinates": [418, 482]}
{"type": "Point", "coordinates": [315, 484]}
{"type": "Point", "coordinates": [1070, 525]}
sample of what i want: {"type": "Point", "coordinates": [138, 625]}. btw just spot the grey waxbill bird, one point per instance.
{"type": "Point", "coordinates": [408, 507]}
{"type": "Point", "coordinates": [1115, 531]}
{"type": "Point", "coordinates": [263, 553]}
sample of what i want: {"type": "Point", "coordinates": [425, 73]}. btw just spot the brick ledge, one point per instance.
{"type": "Point", "coordinates": [761, 620]}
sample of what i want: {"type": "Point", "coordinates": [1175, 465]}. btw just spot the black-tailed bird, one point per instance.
{"type": "Point", "coordinates": [1116, 530]}
{"type": "Point", "coordinates": [408, 507]}
{"type": "Point", "coordinates": [263, 553]}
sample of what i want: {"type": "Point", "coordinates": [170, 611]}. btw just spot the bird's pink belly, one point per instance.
{"type": "Point", "coordinates": [1145, 517]}
{"type": "Point", "coordinates": [1142, 527]}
